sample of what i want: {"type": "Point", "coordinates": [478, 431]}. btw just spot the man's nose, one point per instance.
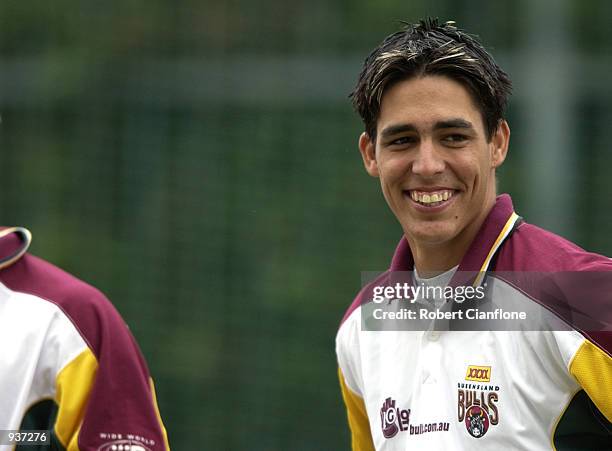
{"type": "Point", "coordinates": [428, 160]}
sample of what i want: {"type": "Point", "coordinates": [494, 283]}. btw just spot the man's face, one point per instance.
{"type": "Point", "coordinates": [436, 168]}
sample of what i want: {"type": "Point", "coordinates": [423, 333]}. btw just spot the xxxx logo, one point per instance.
{"type": "Point", "coordinates": [478, 373]}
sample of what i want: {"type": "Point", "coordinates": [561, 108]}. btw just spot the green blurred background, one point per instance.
{"type": "Point", "coordinates": [197, 161]}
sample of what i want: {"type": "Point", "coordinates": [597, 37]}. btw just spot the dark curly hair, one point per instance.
{"type": "Point", "coordinates": [428, 48]}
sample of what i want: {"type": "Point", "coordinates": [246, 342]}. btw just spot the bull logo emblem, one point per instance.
{"type": "Point", "coordinates": [477, 421]}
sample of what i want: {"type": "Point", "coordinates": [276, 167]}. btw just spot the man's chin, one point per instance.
{"type": "Point", "coordinates": [430, 233]}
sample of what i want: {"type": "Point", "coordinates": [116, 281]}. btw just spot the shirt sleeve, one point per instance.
{"type": "Point", "coordinates": [94, 411]}
{"type": "Point", "coordinates": [585, 418]}
{"type": "Point", "coordinates": [592, 368]}
{"type": "Point", "coordinates": [361, 438]}
{"type": "Point", "coordinates": [349, 373]}
{"type": "Point", "coordinates": [105, 395]}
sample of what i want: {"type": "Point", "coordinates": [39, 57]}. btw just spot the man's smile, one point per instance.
{"type": "Point", "coordinates": [431, 199]}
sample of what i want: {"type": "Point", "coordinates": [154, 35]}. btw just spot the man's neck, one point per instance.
{"type": "Point", "coordinates": [431, 259]}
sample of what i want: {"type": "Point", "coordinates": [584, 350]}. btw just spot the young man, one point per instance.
{"type": "Point", "coordinates": [69, 366]}
{"type": "Point", "coordinates": [432, 101]}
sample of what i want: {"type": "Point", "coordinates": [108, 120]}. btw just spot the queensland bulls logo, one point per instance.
{"type": "Point", "coordinates": [477, 421]}
{"type": "Point", "coordinates": [477, 401]}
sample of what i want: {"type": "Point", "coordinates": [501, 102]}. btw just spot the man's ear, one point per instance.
{"type": "Point", "coordinates": [368, 152]}
{"type": "Point", "coordinates": [500, 142]}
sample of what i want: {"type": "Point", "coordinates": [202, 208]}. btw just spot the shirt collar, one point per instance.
{"type": "Point", "coordinates": [497, 226]}
{"type": "Point", "coordinates": [14, 243]}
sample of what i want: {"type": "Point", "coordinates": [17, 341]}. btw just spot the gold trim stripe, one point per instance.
{"type": "Point", "coordinates": [159, 419]}
{"type": "Point", "coordinates": [500, 238]}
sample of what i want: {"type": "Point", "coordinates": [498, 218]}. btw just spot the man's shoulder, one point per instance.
{"type": "Point", "coordinates": [364, 295]}
{"type": "Point", "coordinates": [569, 281]}
{"type": "Point", "coordinates": [38, 277]}
{"type": "Point", "coordinates": [531, 248]}
{"type": "Point", "coordinates": [85, 306]}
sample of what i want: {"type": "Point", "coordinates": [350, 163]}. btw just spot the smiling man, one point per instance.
{"type": "Point", "coordinates": [436, 164]}
{"type": "Point", "coordinates": [432, 101]}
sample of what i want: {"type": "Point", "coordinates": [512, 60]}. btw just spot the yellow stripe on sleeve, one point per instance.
{"type": "Point", "coordinates": [357, 417]}
{"type": "Point", "coordinates": [73, 387]}
{"type": "Point", "coordinates": [161, 424]}
{"type": "Point", "coordinates": [592, 368]}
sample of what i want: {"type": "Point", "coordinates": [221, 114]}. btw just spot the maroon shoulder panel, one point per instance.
{"type": "Point", "coordinates": [120, 400]}
{"type": "Point", "coordinates": [401, 261]}
{"type": "Point", "coordinates": [573, 283]}
{"type": "Point", "coordinates": [365, 294]}
{"type": "Point", "coordinates": [531, 248]}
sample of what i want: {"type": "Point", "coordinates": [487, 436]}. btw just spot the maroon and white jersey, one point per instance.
{"type": "Point", "coordinates": [68, 363]}
{"type": "Point", "coordinates": [489, 389]}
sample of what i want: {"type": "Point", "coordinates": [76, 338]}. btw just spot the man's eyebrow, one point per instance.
{"type": "Point", "coordinates": [453, 123]}
{"type": "Point", "coordinates": [395, 129]}
{"type": "Point", "coordinates": [402, 128]}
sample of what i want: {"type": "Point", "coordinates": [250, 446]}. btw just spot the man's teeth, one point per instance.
{"type": "Point", "coordinates": [431, 198]}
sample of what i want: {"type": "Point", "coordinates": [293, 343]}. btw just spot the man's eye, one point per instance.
{"type": "Point", "coordinates": [455, 138]}
{"type": "Point", "coordinates": [403, 141]}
